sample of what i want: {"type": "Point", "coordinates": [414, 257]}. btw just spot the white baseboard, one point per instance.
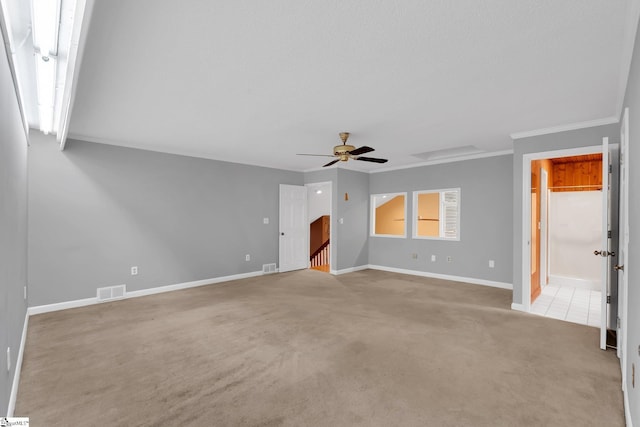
{"type": "Point", "coordinates": [16, 375]}
{"type": "Point", "coordinates": [143, 292]}
{"type": "Point", "coordinates": [349, 270]}
{"type": "Point", "coordinates": [39, 309]}
{"type": "Point", "coordinates": [472, 280]}
{"type": "Point", "coordinates": [574, 282]}
{"type": "Point", "coordinates": [194, 284]}
{"type": "Point", "coordinates": [517, 307]}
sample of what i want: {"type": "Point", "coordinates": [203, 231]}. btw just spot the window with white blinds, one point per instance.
{"type": "Point", "coordinates": [436, 214]}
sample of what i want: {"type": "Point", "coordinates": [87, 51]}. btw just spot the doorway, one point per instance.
{"type": "Point", "coordinates": [319, 219]}
{"type": "Point", "coordinates": [566, 226]}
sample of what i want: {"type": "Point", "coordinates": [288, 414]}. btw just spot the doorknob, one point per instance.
{"type": "Point", "coordinates": [618, 267]}
{"type": "Point", "coordinates": [604, 253]}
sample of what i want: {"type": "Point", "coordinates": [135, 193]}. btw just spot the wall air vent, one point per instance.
{"type": "Point", "coordinates": [268, 268]}
{"type": "Point", "coordinates": [111, 293]}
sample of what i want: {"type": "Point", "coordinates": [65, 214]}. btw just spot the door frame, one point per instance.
{"type": "Point", "coordinates": [623, 278]}
{"type": "Point", "coordinates": [544, 227]}
{"type": "Point", "coordinates": [526, 210]}
{"type": "Point", "coordinates": [331, 227]}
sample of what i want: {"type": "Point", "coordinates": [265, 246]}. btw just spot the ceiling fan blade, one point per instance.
{"type": "Point", "coordinates": [361, 150]}
{"type": "Point", "coordinates": [317, 155]}
{"type": "Point", "coordinates": [372, 159]}
{"type": "Point", "coordinates": [332, 162]}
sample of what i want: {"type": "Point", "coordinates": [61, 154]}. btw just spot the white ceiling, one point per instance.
{"type": "Point", "coordinates": [257, 82]}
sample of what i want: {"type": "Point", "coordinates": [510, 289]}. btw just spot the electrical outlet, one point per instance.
{"type": "Point", "coordinates": [448, 259]}
{"type": "Point", "coordinates": [414, 256]}
{"type": "Point", "coordinates": [341, 220]}
{"type": "Point", "coordinates": [492, 263]}
{"type": "Point", "coordinates": [25, 292]}
{"type": "Point", "coordinates": [8, 359]}
{"type": "Point", "coordinates": [134, 270]}
{"type": "Point", "coordinates": [247, 257]}
{"type": "Point", "coordinates": [433, 258]}
{"type": "Point", "coordinates": [265, 220]}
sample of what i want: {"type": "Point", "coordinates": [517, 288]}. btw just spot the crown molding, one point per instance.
{"type": "Point", "coordinates": [564, 128]}
{"type": "Point", "coordinates": [446, 160]}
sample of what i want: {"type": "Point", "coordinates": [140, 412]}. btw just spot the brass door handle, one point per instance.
{"type": "Point", "coordinates": [618, 267]}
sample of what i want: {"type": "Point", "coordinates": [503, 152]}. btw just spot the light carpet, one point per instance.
{"type": "Point", "coordinates": [306, 348]}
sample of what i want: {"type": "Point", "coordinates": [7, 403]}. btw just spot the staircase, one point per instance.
{"type": "Point", "coordinates": [319, 243]}
{"type": "Point", "coordinates": [320, 258]}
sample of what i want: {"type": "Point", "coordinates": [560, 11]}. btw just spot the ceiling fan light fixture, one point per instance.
{"type": "Point", "coordinates": [345, 152]}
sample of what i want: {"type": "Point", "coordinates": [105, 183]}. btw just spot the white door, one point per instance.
{"type": "Point", "coordinates": [605, 249]}
{"type": "Point", "coordinates": [293, 247]}
{"type": "Point", "coordinates": [623, 247]}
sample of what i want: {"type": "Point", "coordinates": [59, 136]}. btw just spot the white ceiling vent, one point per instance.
{"type": "Point", "coordinates": [110, 293]}
{"type": "Point", "coordinates": [448, 153]}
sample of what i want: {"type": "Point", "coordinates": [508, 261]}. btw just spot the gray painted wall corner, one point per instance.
{"type": "Point", "coordinates": [13, 228]}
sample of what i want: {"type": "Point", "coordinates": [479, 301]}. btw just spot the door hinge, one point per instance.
{"type": "Point", "coordinates": [608, 299]}
{"type": "Point", "coordinates": [609, 234]}
{"type": "Point", "coordinates": [610, 169]}
{"type": "Point", "coordinates": [618, 323]}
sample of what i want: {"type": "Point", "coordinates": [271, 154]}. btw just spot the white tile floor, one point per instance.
{"type": "Point", "coordinates": [569, 304]}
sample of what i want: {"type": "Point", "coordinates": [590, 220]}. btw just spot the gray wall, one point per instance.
{"type": "Point", "coordinates": [536, 144]}
{"type": "Point", "coordinates": [97, 210]}
{"type": "Point", "coordinates": [632, 100]}
{"type": "Point", "coordinates": [13, 227]}
{"type": "Point", "coordinates": [486, 219]}
{"type": "Point", "coordinates": [353, 250]}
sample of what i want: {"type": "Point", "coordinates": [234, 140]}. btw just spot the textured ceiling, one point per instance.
{"type": "Point", "coordinates": [256, 82]}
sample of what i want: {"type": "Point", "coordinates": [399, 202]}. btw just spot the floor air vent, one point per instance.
{"type": "Point", "coordinates": [111, 293]}
{"type": "Point", "coordinates": [268, 268]}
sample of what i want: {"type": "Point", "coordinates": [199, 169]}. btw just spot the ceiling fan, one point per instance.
{"type": "Point", "coordinates": [345, 152]}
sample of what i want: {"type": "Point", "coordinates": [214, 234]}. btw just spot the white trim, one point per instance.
{"type": "Point", "coordinates": [415, 216]}
{"type": "Point", "coordinates": [176, 152]}
{"type": "Point", "coordinates": [564, 128]}
{"type": "Point", "coordinates": [18, 369]}
{"type": "Point", "coordinates": [627, 410]}
{"type": "Point", "coordinates": [372, 214]}
{"type": "Point", "coordinates": [471, 280]}
{"type": "Point", "coordinates": [349, 270]}
{"type": "Point", "coordinates": [47, 308]}
{"type": "Point", "coordinates": [446, 160]}
{"type": "Point", "coordinates": [194, 284]}
{"type": "Point", "coordinates": [82, 20]}
{"type": "Point", "coordinates": [143, 292]}
{"type": "Point", "coordinates": [517, 307]}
